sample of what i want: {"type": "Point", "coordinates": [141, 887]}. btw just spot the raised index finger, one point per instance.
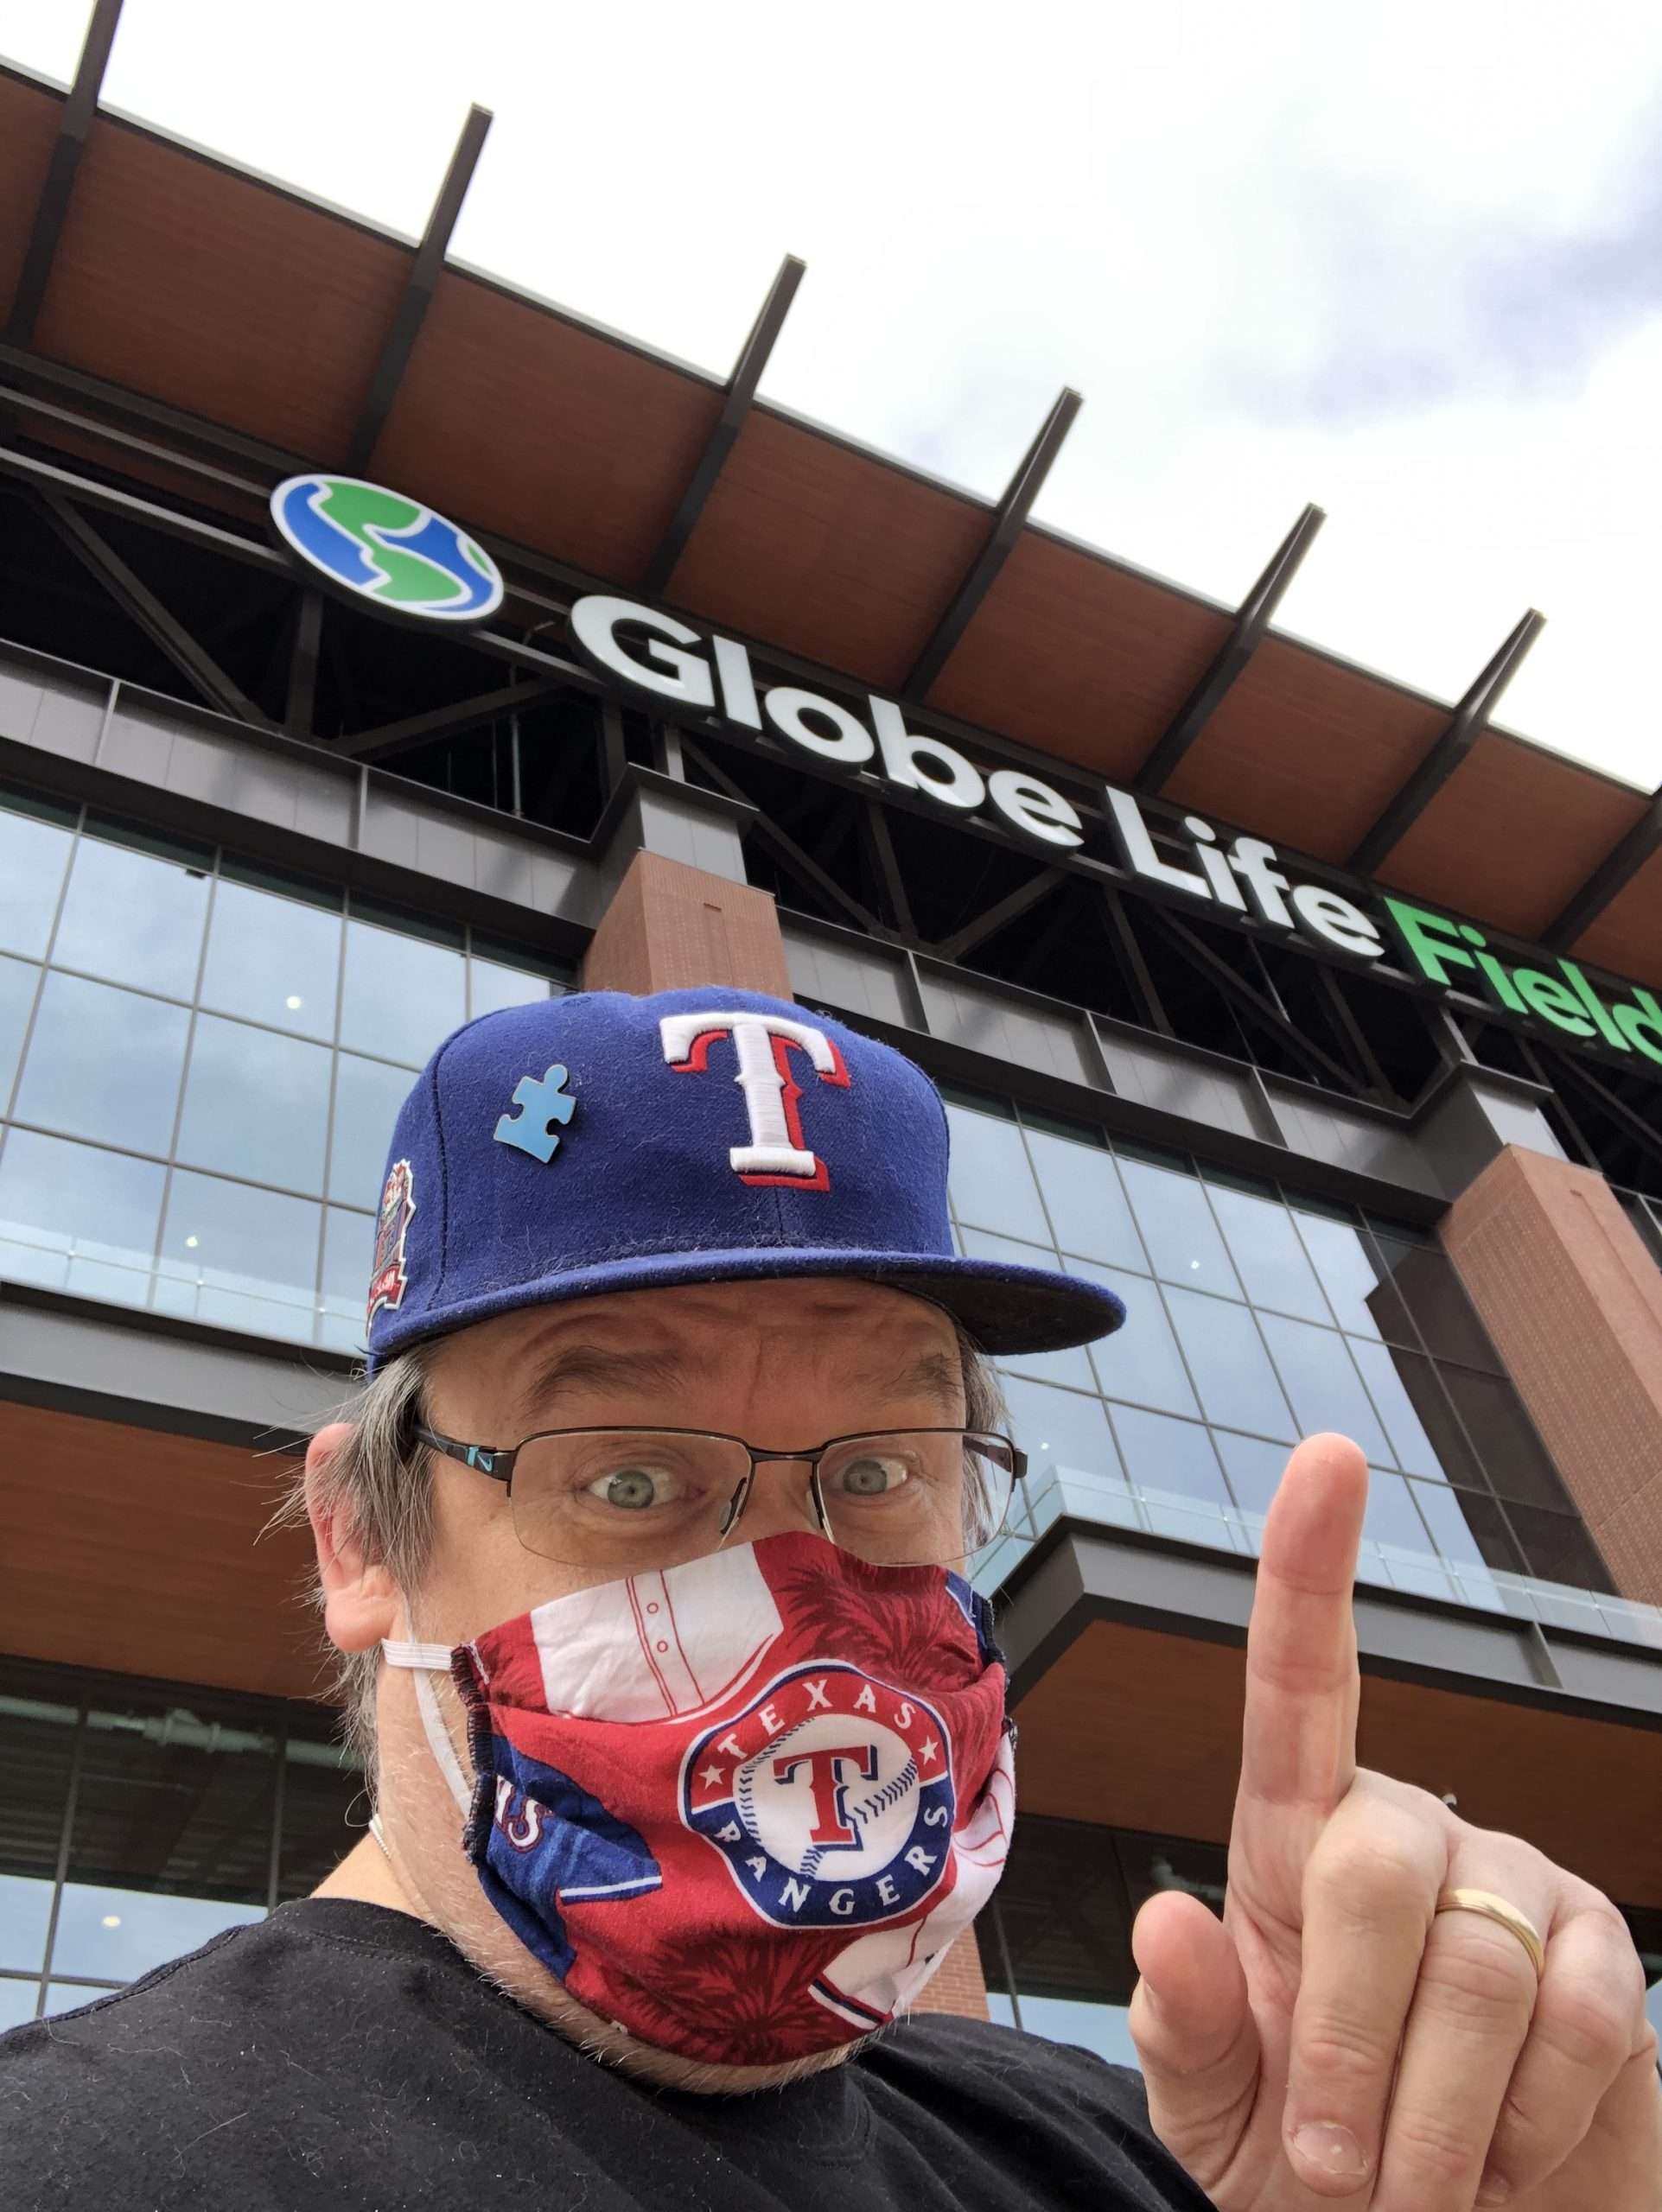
{"type": "Point", "coordinates": [1299, 1742]}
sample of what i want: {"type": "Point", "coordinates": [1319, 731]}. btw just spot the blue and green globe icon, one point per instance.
{"type": "Point", "coordinates": [386, 550]}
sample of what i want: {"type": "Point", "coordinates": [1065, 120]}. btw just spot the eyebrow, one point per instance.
{"type": "Point", "coordinates": [585, 1366]}
{"type": "Point", "coordinates": [567, 1368]}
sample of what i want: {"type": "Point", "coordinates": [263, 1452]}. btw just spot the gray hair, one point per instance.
{"type": "Point", "coordinates": [379, 1482]}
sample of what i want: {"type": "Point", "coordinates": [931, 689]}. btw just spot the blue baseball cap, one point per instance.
{"type": "Point", "coordinates": [602, 1142]}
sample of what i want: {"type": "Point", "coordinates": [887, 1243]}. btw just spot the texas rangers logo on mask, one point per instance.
{"type": "Point", "coordinates": [762, 1043]}
{"type": "Point", "coordinates": [830, 1797]}
{"type": "Point", "coordinates": [388, 1279]}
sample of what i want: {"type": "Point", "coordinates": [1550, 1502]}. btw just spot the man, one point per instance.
{"type": "Point", "coordinates": [646, 1551]}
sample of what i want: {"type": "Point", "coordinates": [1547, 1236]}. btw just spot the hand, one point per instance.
{"type": "Point", "coordinates": [1336, 2041]}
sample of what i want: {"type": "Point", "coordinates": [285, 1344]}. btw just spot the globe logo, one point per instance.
{"type": "Point", "coordinates": [386, 550]}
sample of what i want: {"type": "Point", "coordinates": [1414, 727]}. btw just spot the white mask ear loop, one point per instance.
{"type": "Point", "coordinates": [424, 1660]}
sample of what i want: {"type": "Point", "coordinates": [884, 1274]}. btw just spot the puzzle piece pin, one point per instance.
{"type": "Point", "coordinates": [544, 1101]}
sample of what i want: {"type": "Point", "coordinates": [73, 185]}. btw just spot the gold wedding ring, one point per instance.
{"type": "Point", "coordinates": [1509, 1918]}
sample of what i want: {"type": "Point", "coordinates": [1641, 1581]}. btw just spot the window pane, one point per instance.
{"type": "Point", "coordinates": [172, 1834]}
{"type": "Point", "coordinates": [1082, 1190]}
{"type": "Point", "coordinates": [1514, 1456]}
{"type": "Point", "coordinates": [491, 987]}
{"type": "Point", "coordinates": [1140, 1361]}
{"type": "Point", "coordinates": [1322, 1380]}
{"type": "Point", "coordinates": [120, 1933]}
{"type": "Point", "coordinates": [1392, 1517]}
{"type": "Point", "coordinates": [1059, 1429]}
{"type": "Point", "coordinates": [1231, 1368]}
{"type": "Point", "coordinates": [1425, 1437]}
{"type": "Point", "coordinates": [1177, 1227]}
{"type": "Point", "coordinates": [37, 1733]}
{"type": "Point", "coordinates": [77, 1219]}
{"type": "Point", "coordinates": [1104, 2029]}
{"type": "Point", "coordinates": [367, 1097]}
{"type": "Point", "coordinates": [103, 1064]}
{"type": "Point", "coordinates": [1254, 1468]}
{"type": "Point", "coordinates": [1467, 1528]}
{"type": "Point", "coordinates": [134, 917]}
{"type": "Point", "coordinates": [1341, 1258]}
{"type": "Point", "coordinates": [256, 1104]}
{"type": "Point", "coordinates": [1169, 1454]}
{"type": "Point", "coordinates": [32, 858]}
{"type": "Point", "coordinates": [992, 1184]}
{"type": "Point", "coordinates": [17, 985]}
{"type": "Point", "coordinates": [1424, 1278]}
{"type": "Point", "coordinates": [16, 2003]}
{"type": "Point", "coordinates": [403, 997]}
{"type": "Point", "coordinates": [348, 1247]}
{"type": "Point", "coordinates": [275, 960]}
{"type": "Point", "coordinates": [1268, 1256]}
{"type": "Point", "coordinates": [244, 1257]}
{"type": "Point", "coordinates": [1558, 1549]}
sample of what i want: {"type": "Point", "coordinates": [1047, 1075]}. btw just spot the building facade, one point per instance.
{"type": "Point", "coordinates": [1318, 1020]}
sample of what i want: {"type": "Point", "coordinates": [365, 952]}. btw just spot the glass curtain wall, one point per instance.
{"type": "Point", "coordinates": [1255, 1315]}
{"type": "Point", "coordinates": [137, 1819]}
{"type": "Point", "coordinates": [201, 1061]}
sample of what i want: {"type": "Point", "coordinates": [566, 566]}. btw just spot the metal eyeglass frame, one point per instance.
{"type": "Point", "coordinates": [498, 1462]}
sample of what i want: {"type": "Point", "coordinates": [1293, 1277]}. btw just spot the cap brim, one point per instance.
{"type": "Point", "coordinates": [1005, 1308]}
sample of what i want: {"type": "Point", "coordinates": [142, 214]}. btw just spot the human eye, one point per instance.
{"type": "Point", "coordinates": [872, 1471]}
{"type": "Point", "coordinates": [636, 1485]}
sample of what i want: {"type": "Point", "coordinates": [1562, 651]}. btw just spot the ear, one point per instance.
{"type": "Point", "coordinates": [361, 1602]}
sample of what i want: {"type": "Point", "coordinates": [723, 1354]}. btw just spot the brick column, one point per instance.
{"type": "Point", "coordinates": [1573, 1302]}
{"type": "Point", "coordinates": [670, 925]}
{"type": "Point", "coordinates": [958, 1985]}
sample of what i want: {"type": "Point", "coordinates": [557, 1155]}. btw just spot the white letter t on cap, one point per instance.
{"type": "Point", "coordinates": [762, 1043]}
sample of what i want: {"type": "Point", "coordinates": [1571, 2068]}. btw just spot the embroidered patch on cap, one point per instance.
{"type": "Point", "coordinates": [542, 1101]}
{"type": "Point", "coordinates": [388, 1279]}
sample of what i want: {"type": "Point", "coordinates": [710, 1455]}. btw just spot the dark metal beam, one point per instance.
{"type": "Point", "coordinates": [392, 738]}
{"type": "Point", "coordinates": [163, 629]}
{"type": "Point", "coordinates": [74, 123]}
{"type": "Point", "coordinates": [1252, 618]}
{"type": "Point", "coordinates": [419, 287]}
{"type": "Point", "coordinates": [1013, 904]}
{"type": "Point", "coordinates": [1467, 724]}
{"type": "Point", "coordinates": [736, 405]}
{"type": "Point", "coordinates": [785, 849]}
{"type": "Point", "coordinates": [1124, 931]}
{"type": "Point", "coordinates": [1251, 1002]}
{"type": "Point", "coordinates": [1614, 874]}
{"type": "Point", "coordinates": [1008, 520]}
{"type": "Point", "coordinates": [300, 714]}
{"type": "Point", "coordinates": [889, 867]}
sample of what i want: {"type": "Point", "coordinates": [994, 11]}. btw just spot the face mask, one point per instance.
{"type": "Point", "coordinates": [740, 1808]}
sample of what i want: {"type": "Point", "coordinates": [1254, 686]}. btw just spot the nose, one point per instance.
{"type": "Point", "coordinates": [779, 1501]}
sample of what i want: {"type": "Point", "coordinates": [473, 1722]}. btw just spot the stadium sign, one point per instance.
{"type": "Point", "coordinates": [382, 549]}
{"type": "Point", "coordinates": [712, 679]}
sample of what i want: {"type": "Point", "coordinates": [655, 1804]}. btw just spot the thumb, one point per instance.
{"type": "Point", "coordinates": [1195, 2033]}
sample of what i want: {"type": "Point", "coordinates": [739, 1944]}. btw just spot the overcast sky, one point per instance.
{"type": "Point", "coordinates": [1404, 261]}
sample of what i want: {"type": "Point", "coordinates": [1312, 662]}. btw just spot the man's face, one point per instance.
{"type": "Point", "coordinates": [783, 1364]}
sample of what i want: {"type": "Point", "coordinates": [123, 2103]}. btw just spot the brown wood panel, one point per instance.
{"type": "Point", "coordinates": [1304, 751]}
{"type": "Point", "coordinates": [1078, 658]}
{"type": "Point", "coordinates": [1138, 1729]}
{"type": "Point", "coordinates": [1511, 835]}
{"type": "Point", "coordinates": [140, 1552]}
{"type": "Point", "coordinates": [548, 434]}
{"type": "Point", "coordinates": [214, 293]}
{"type": "Point", "coordinates": [29, 123]}
{"type": "Point", "coordinates": [1627, 937]}
{"type": "Point", "coordinates": [827, 552]}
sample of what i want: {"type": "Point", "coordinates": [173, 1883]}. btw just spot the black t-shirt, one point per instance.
{"type": "Point", "coordinates": [341, 2056]}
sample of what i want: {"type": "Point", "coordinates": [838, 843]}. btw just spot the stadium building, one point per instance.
{"type": "Point", "coordinates": [380, 645]}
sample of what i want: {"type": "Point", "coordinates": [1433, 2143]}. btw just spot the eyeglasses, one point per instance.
{"type": "Point", "coordinates": [637, 1499]}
